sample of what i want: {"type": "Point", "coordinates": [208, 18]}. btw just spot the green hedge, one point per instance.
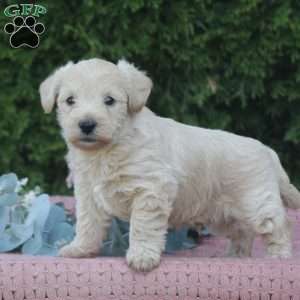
{"type": "Point", "coordinates": [219, 64]}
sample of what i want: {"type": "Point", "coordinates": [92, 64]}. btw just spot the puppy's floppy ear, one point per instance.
{"type": "Point", "coordinates": [139, 85]}
{"type": "Point", "coordinates": [49, 88]}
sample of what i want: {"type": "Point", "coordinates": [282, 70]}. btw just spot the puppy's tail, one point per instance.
{"type": "Point", "coordinates": [289, 194]}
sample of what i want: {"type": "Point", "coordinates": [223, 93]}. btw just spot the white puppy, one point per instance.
{"type": "Point", "coordinates": [129, 163]}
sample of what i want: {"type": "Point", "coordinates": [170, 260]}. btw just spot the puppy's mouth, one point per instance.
{"type": "Point", "coordinates": [88, 140]}
{"type": "Point", "coordinates": [90, 143]}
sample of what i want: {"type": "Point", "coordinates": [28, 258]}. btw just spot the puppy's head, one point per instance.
{"type": "Point", "coordinates": [95, 99]}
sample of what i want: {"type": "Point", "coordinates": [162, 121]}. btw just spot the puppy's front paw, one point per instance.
{"type": "Point", "coordinates": [142, 259]}
{"type": "Point", "coordinates": [74, 251]}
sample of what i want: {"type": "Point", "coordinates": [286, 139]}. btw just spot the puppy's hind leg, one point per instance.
{"type": "Point", "coordinates": [278, 236]}
{"type": "Point", "coordinates": [270, 221]}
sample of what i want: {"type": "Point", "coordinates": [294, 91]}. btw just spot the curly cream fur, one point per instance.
{"type": "Point", "coordinates": [159, 173]}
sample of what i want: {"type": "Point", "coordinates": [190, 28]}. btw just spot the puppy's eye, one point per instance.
{"type": "Point", "coordinates": [70, 100]}
{"type": "Point", "coordinates": [109, 100]}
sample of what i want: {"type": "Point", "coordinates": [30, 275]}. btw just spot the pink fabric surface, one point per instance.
{"type": "Point", "coordinates": [201, 273]}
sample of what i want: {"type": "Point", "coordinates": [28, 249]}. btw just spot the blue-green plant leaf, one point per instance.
{"type": "Point", "coordinates": [56, 215]}
{"type": "Point", "coordinates": [37, 216]}
{"type": "Point", "coordinates": [39, 211]}
{"type": "Point", "coordinates": [117, 242]}
{"type": "Point", "coordinates": [123, 226]}
{"type": "Point", "coordinates": [21, 231]}
{"type": "Point", "coordinates": [9, 242]}
{"type": "Point", "coordinates": [35, 243]}
{"type": "Point", "coordinates": [15, 236]}
{"type": "Point", "coordinates": [18, 214]}
{"type": "Point", "coordinates": [178, 240]}
{"type": "Point", "coordinates": [8, 183]}
{"type": "Point", "coordinates": [61, 233]}
{"type": "Point", "coordinates": [8, 199]}
{"type": "Point", "coordinates": [48, 250]}
{"type": "Point", "coordinates": [174, 240]}
{"type": "Point", "coordinates": [205, 232]}
{"type": "Point", "coordinates": [4, 218]}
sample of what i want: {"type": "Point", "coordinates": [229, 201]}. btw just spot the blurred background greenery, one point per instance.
{"type": "Point", "coordinates": [232, 65]}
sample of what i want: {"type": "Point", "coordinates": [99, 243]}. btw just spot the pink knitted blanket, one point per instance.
{"type": "Point", "coordinates": [201, 273]}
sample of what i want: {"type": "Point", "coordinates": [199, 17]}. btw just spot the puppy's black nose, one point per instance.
{"type": "Point", "coordinates": [87, 126]}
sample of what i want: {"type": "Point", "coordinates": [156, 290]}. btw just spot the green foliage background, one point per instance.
{"type": "Point", "coordinates": [230, 64]}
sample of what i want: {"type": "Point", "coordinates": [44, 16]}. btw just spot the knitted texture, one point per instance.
{"type": "Point", "coordinates": [201, 273]}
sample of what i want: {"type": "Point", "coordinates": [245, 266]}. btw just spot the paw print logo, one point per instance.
{"type": "Point", "coordinates": [24, 32]}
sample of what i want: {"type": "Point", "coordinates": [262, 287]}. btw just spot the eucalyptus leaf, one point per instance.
{"type": "Point", "coordinates": [61, 233]}
{"type": "Point", "coordinates": [9, 242]}
{"type": "Point", "coordinates": [175, 240]}
{"type": "Point", "coordinates": [39, 211]}
{"type": "Point", "coordinates": [4, 218]}
{"type": "Point", "coordinates": [38, 216]}
{"type": "Point", "coordinates": [14, 237]}
{"type": "Point", "coordinates": [22, 231]}
{"type": "Point", "coordinates": [117, 242]}
{"type": "Point", "coordinates": [18, 214]}
{"type": "Point", "coordinates": [205, 232]}
{"type": "Point", "coordinates": [124, 226]}
{"type": "Point", "coordinates": [56, 215]}
{"type": "Point", "coordinates": [35, 243]}
{"type": "Point", "coordinates": [48, 250]}
{"type": "Point", "coordinates": [179, 240]}
{"type": "Point", "coordinates": [8, 199]}
{"type": "Point", "coordinates": [8, 183]}
{"type": "Point", "coordinates": [188, 245]}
